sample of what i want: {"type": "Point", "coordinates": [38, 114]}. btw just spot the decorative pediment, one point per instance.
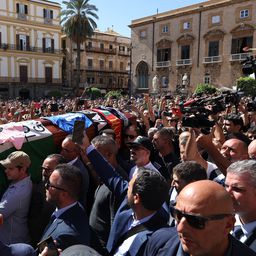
{"type": "Point", "coordinates": [186, 38]}
{"type": "Point", "coordinates": [214, 33]}
{"type": "Point", "coordinates": [48, 34]}
{"type": "Point", "coordinates": [49, 62]}
{"type": "Point", "coordinates": [22, 30]}
{"type": "Point", "coordinates": [23, 60]}
{"type": "Point", "coordinates": [243, 28]}
{"type": "Point", "coordinates": [164, 43]}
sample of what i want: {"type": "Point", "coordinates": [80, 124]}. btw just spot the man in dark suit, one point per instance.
{"type": "Point", "coordinates": [101, 220]}
{"type": "Point", "coordinates": [69, 223]}
{"type": "Point", "coordinates": [204, 216]}
{"type": "Point", "coordinates": [40, 210]}
{"type": "Point", "coordinates": [241, 185]}
{"type": "Point", "coordinates": [141, 211]}
{"type": "Point", "coordinates": [71, 152]}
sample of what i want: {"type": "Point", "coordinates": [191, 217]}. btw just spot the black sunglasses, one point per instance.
{"type": "Point", "coordinates": [49, 185]}
{"type": "Point", "coordinates": [195, 221]}
{"type": "Point", "coordinates": [47, 170]}
{"type": "Point", "coordinates": [130, 136]}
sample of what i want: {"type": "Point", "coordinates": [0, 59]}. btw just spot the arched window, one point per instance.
{"type": "Point", "coordinates": [142, 75]}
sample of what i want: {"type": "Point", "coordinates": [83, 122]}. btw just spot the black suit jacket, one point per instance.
{"type": "Point", "coordinates": [85, 183]}
{"type": "Point", "coordinates": [165, 241]}
{"type": "Point", "coordinates": [69, 228]}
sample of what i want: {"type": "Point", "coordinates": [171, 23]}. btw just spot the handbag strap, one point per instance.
{"type": "Point", "coordinates": [126, 235]}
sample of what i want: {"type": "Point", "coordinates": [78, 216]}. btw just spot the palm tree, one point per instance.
{"type": "Point", "coordinates": [77, 19]}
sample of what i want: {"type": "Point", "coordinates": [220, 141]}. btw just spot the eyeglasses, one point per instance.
{"type": "Point", "coordinates": [67, 150]}
{"type": "Point", "coordinates": [195, 221]}
{"type": "Point", "coordinates": [47, 170]}
{"type": "Point", "coordinates": [49, 185]}
{"type": "Point", "coordinates": [130, 136]}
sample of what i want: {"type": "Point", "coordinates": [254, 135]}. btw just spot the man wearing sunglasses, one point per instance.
{"type": "Point", "coordinates": [140, 212]}
{"type": "Point", "coordinates": [40, 210]}
{"type": "Point", "coordinates": [204, 218]}
{"type": "Point", "coordinates": [69, 223]}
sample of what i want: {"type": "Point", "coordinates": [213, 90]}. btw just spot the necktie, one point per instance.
{"type": "Point", "coordinates": [238, 232]}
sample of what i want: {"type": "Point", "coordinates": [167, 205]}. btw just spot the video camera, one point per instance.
{"type": "Point", "coordinates": [249, 66]}
{"type": "Point", "coordinates": [200, 112]}
{"type": "Point", "coordinates": [197, 121]}
{"type": "Point", "coordinates": [251, 106]}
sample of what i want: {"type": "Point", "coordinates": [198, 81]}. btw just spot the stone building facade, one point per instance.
{"type": "Point", "coordinates": [30, 48]}
{"type": "Point", "coordinates": [105, 61]}
{"type": "Point", "coordinates": [203, 42]}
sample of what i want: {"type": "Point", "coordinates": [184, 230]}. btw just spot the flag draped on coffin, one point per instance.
{"type": "Point", "coordinates": [66, 121]}
{"type": "Point", "coordinates": [35, 139]}
{"type": "Point", "coordinates": [114, 122]}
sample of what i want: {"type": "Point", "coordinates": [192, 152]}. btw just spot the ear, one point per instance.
{"type": "Point", "coordinates": [136, 198]}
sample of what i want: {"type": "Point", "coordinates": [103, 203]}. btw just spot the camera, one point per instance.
{"type": "Point", "coordinates": [197, 121]}
{"type": "Point", "coordinates": [251, 106]}
{"type": "Point", "coordinates": [249, 66]}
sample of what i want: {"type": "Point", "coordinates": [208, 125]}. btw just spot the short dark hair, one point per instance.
{"type": "Point", "coordinates": [152, 188]}
{"type": "Point", "coordinates": [71, 179]}
{"type": "Point", "coordinates": [166, 133]}
{"type": "Point", "coordinates": [190, 171]}
{"type": "Point", "coordinates": [59, 158]}
{"type": "Point", "coordinates": [236, 119]}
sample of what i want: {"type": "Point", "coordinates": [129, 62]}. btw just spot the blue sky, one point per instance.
{"type": "Point", "coordinates": [119, 14]}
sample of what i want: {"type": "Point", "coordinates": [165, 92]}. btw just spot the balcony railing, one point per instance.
{"type": "Point", "coordinates": [47, 21]}
{"type": "Point", "coordinates": [22, 16]}
{"type": "Point", "coordinates": [124, 53]}
{"type": "Point", "coordinates": [184, 62]}
{"type": "Point", "coordinates": [30, 80]}
{"type": "Point", "coordinates": [212, 59]}
{"type": "Point", "coordinates": [239, 56]}
{"type": "Point", "coordinates": [28, 48]}
{"type": "Point", "coordinates": [163, 64]}
{"type": "Point", "coordinates": [101, 50]}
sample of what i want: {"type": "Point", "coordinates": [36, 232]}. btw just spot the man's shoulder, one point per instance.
{"type": "Point", "coordinates": [164, 234]}
{"type": "Point", "coordinates": [73, 212]}
{"type": "Point", "coordinates": [16, 250]}
{"type": "Point", "coordinates": [164, 240]}
{"type": "Point", "coordinates": [239, 248]}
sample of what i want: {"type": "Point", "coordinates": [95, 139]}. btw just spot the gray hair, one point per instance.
{"type": "Point", "coordinates": [105, 141]}
{"type": "Point", "coordinates": [244, 167]}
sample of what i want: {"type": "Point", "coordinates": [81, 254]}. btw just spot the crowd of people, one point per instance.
{"type": "Point", "coordinates": [181, 182]}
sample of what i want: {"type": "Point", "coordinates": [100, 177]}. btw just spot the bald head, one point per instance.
{"type": "Point", "coordinates": [205, 211]}
{"type": "Point", "coordinates": [252, 150]}
{"type": "Point", "coordinates": [207, 196]}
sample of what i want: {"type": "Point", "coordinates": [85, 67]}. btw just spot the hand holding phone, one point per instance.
{"type": "Point", "coordinates": [52, 248]}
{"type": "Point", "coordinates": [78, 132]}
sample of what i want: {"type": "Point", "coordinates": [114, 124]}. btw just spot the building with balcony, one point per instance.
{"type": "Point", "coordinates": [205, 41]}
{"type": "Point", "coordinates": [30, 48]}
{"type": "Point", "coordinates": [105, 61]}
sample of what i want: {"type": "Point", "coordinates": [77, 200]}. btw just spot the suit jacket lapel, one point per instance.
{"type": "Point", "coordinates": [51, 228]}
